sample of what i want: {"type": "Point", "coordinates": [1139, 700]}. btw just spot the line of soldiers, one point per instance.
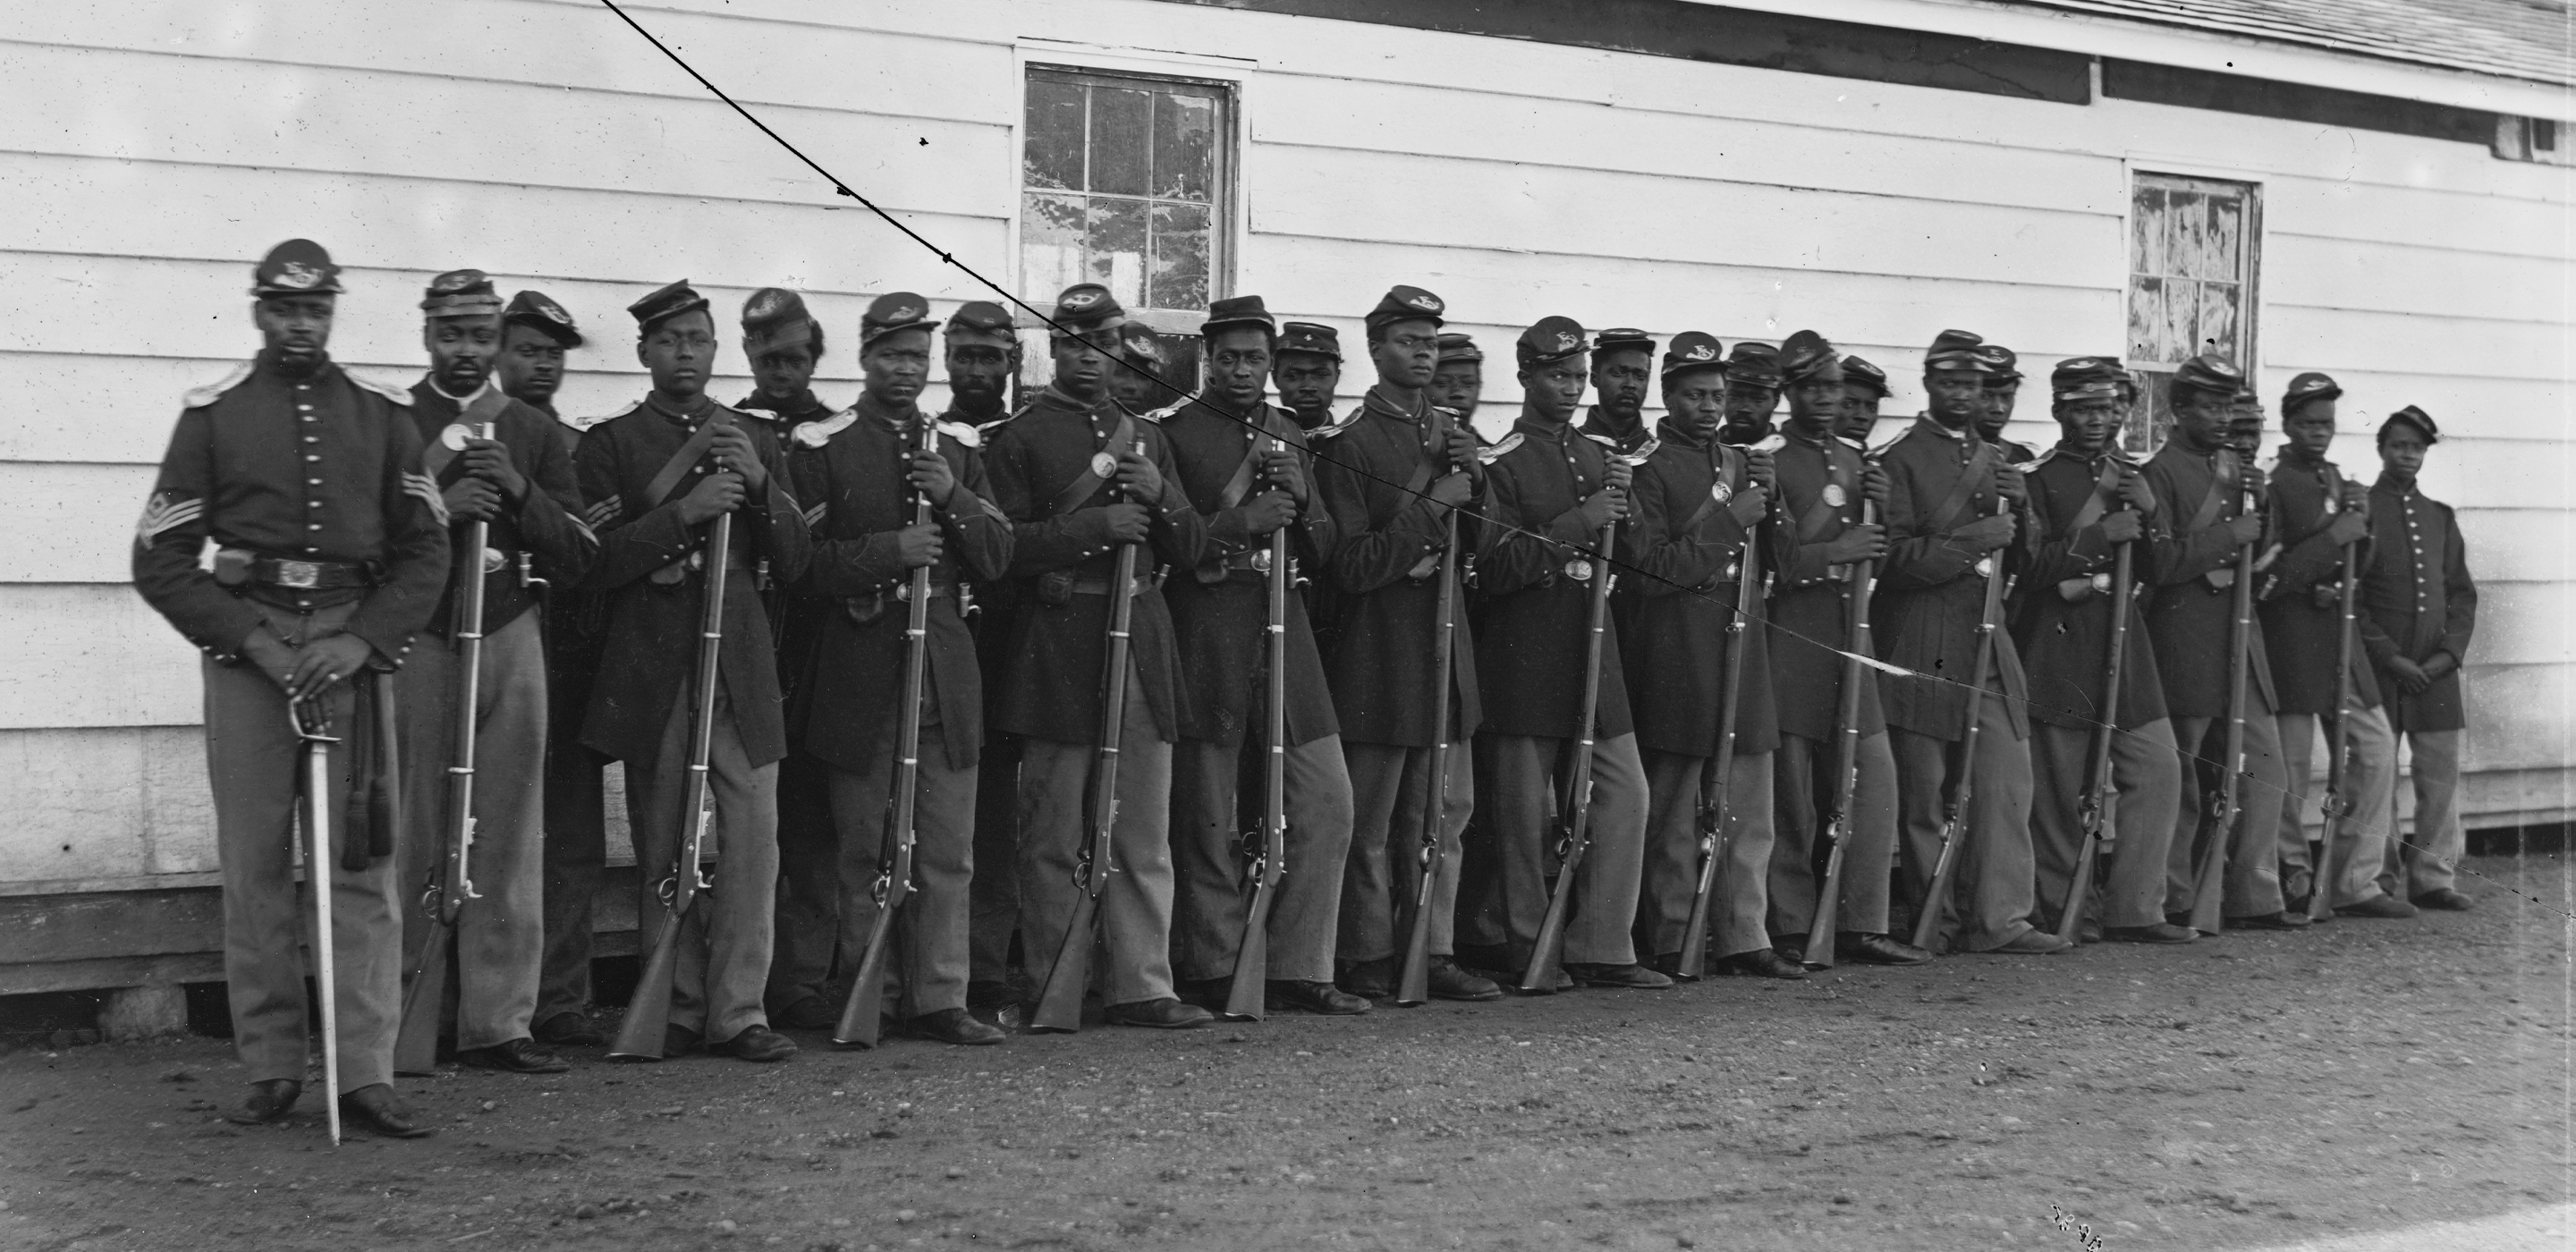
{"type": "Point", "coordinates": [1721, 693]}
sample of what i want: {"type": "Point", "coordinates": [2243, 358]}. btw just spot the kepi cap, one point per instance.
{"type": "Point", "coordinates": [1805, 355]}
{"type": "Point", "coordinates": [774, 319]}
{"type": "Point", "coordinates": [1956, 350]}
{"type": "Point", "coordinates": [1754, 363]}
{"type": "Point", "coordinates": [1238, 311]}
{"type": "Point", "coordinates": [2417, 418]}
{"type": "Point", "coordinates": [1405, 304]}
{"type": "Point", "coordinates": [893, 313]}
{"type": "Point", "coordinates": [1137, 339]}
{"type": "Point", "coordinates": [981, 322]}
{"type": "Point", "coordinates": [1458, 347]}
{"type": "Point", "coordinates": [1549, 340]}
{"type": "Point", "coordinates": [2001, 362]}
{"type": "Point", "coordinates": [1861, 374]}
{"type": "Point", "coordinates": [461, 293]}
{"type": "Point", "coordinates": [2306, 387]}
{"type": "Point", "coordinates": [2086, 378]}
{"type": "Point", "coordinates": [2210, 372]}
{"type": "Point", "coordinates": [1084, 308]}
{"type": "Point", "coordinates": [538, 310]}
{"type": "Point", "coordinates": [1314, 337]}
{"type": "Point", "coordinates": [1693, 350]}
{"type": "Point", "coordinates": [297, 267]}
{"type": "Point", "coordinates": [1624, 339]}
{"type": "Point", "coordinates": [663, 305]}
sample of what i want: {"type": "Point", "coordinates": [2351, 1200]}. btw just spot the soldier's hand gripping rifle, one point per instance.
{"type": "Point", "coordinates": [1547, 953]}
{"type": "Point", "coordinates": [312, 722]}
{"type": "Point", "coordinates": [1714, 788]}
{"type": "Point", "coordinates": [1252, 955]}
{"type": "Point", "coordinates": [648, 1015]}
{"type": "Point", "coordinates": [2339, 740]}
{"type": "Point", "coordinates": [1413, 979]}
{"type": "Point", "coordinates": [1935, 905]}
{"type": "Point", "coordinates": [1060, 1001]}
{"type": "Point", "coordinates": [2093, 812]}
{"type": "Point", "coordinates": [451, 881]}
{"type": "Point", "coordinates": [2210, 870]}
{"type": "Point", "coordinates": [862, 1015]}
{"type": "Point", "coordinates": [1838, 820]}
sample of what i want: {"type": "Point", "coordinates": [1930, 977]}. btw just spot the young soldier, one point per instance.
{"type": "Point", "coordinates": [1953, 521]}
{"type": "Point", "coordinates": [1995, 409]}
{"type": "Point", "coordinates": [2421, 606]}
{"type": "Point", "coordinates": [1699, 508]}
{"type": "Point", "coordinates": [784, 345]}
{"type": "Point", "coordinates": [1752, 393]}
{"type": "Point", "coordinates": [331, 551]}
{"type": "Point", "coordinates": [1821, 483]}
{"type": "Point", "coordinates": [1079, 476]}
{"type": "Point", "coordinates": [1383, 460]}
{"type": "Point", "coordinates": [2319, 511]}
{"type": "Point", "coordinates": [1222, 442]}
{"type": "Point", "coordinates": [1458, 376]}
{"type": "Point", "coordinates": [1308, 372]}
{"type": "Point", "coordinates": [657, 476]}
{"type": "Point", "coordinates": [2200, 479]}
{"type": "Point", "coordinates": [2088, 499]}
{"type": "Point", "coordinates": [1534, 605]}
{"type": "Point", "coordinates": [1623, 363]}
{"type": "Point", "coordinates": [1141, 387]}
{"type": "Point", "coordinates": [1864, 389]}
{"type": "Point", "coordinates": [536, 332]}
{"type": "Point", "coordinates": [858, 471]}
{"type": "Point", "coordinates": [518, 479]}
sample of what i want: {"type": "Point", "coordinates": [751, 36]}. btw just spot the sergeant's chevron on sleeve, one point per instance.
{"type": "Point", "coordinates": [420, 487]}
{"type": "Point", "coordinates": [604, 512]}
{"type": "Point", "coordinates": [162, 513]}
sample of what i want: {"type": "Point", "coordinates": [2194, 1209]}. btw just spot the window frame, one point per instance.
{"type": "Point", "coordinates": [2143, 429]}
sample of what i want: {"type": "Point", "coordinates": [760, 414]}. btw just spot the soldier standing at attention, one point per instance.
{"type": "Point", "coordinates": [2319, 511]}
{"type": "Point", "coordinates": [1308, 372]}
{"type": "Point", "coordinates": [518, 478]}
{"type": "Point", "coordinates": [1698, 506]}
{"type": "Point", "coordinates": [1954, 519]}
{"type": "Point", "coordinates": [1458, 377]}
{"type": "Point", "coordinates": [2089, 499]}
{"type": "Point", "coordinates": [2198, 477]}
{"type": "Point", "coordinates": [656, 477]}
{"type": "Point", "coordinates": [1223, 441]}
{"type": "Point", "coordinates": [1864, 389]}
{"type": "Point", "coordinates": [2419, 607]}
{"type": "Point", "coordinates": [535, 334]}
{"type": "Point", "coordinates": [784, 345]}
{"type": "Point", "coordinates": [1822, 482]}
{"type": "Point", "coordinates": [1534, 613]}
{"type": "Point", "coordinates": [1752, 393]}
{"type": "Point", "coordinates": [2003, 391]}
{"type": "Point", "coordinates": [858, 472]}
{"type": "Point", "coordinates": [1079, 475]}
{"type": "Point", "coordinates": [331, 549]}
{"type": "Point", "coordinates": [1389, 454]}
{"type": "Point", "coordinates": [1623, 364]}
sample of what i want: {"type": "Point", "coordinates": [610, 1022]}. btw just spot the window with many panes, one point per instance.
{"type": "Point", "coordinates": [1125, 181]}
{"type": "Point", "coordinates": [2192, 245]}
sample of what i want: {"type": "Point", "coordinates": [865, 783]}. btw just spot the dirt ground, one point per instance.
{"type": "Point", "coordinates": [2250, 1091]}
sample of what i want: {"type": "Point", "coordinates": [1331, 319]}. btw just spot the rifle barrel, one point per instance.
{"type": "Point", "coordinates": [2208, 897]}
{"type": "Point", "coordinates": [1715, 786]}
{"type": "Point", "coordinates": [1820, 931]}
{"type": "Point", "coordinates": [1934, 908]}
{"type": "Point", "coordinates": [2321, 871]}
{"type": "Point", "coordinates": [1246, 997]}
{"type": "Point", "coordinates": [1413, 980]}
{"type": "Point", "coordinates": [2097, 790]}
{"type": "Point", "coordinates": [1547, 953]}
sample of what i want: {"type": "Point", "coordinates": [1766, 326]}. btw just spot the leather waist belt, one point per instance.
{"type": "Point", "coordinates": [1102, 586]}
{"type": "Point", "coordinates": [938, 591]}
{"type": "Point", "coordinates": [235, 566]}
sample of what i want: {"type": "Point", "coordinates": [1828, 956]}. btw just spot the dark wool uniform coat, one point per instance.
{"type": "Point", "coordinates": [1626, 439]}
{"type": "Point", "coordinates": [2301, 606]}
{"type": "Point", "coordinates": [1680, 599]}
{"type": "Point", "coordinates": [850, 474]}
{"type": "Point", "coordinates": [1810, 605]}
{"type": "Point", "coordinates": [1385, 579]}
{"type": "Point", "coordinates": [1222, 626]}
{"type": "Point", "coordinates": [576, 622]}
{"type": "Point", "coordinates": [315, 467]}
{"type": "Point", "coordinates": [547, 522]}
{"type": "Point", "coordinates": [2064, 642]}
{"type": "Point", "coordinates": [1533, 613]}
{"type": "Point", "coordinates": [2417, 599]}
{"type": "Point", "coordinates": [1930, 596]}
{"type": "Point", "coordinates": [795, 616]}
{"type": "Point", "coordinates": [647, 664]}
{"type": "Point", "coordinates": [2190, 617]}
{"type": "Point", "coordinates": [1050, 679]}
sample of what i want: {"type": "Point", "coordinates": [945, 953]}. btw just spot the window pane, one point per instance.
{"type": "Point", "coordinates": [1121, 128]}
{"type": "Point", "coordinates": [2219, 248]}
{"type": "Point", "coordinates": [1117, 254]}
{"type": "Point", "coordinates": [2186, 223]}
{"type": "Point", "coordinates": [2147, 320]}
{"type": "Point", "coordinates": [1184, 147]}
{"type": "Point", "coordinates": [2147, 232]}
{"type": "Point", "coordinates": [2182, 305]}
{"type": "Point", "coordinates": [1051, 225]}
{"type": "Point", "coordinates": [2142, 428]}
{"type": "Point", "coordinates": [1054, 156]}
{"type": "Point", "coordinates": [2218, 318]}
{"type": "Point", "coordinates": [1180, 277]}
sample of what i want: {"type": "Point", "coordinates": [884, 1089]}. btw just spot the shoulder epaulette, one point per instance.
{"type": "Point", "coordinates": [1498, 451]}
{"type": "Point", "coordinates": [971, 436]}
{"type": "Point", "coordinates": [200, 397]}
{"type": "Point", "coordinates": [587, 424]}
{"type": "Point", "coordinates": [1645, 451]}
{"type": "Point", "coordinates": [817, 433]}
{"type": "Point", "coordinates": [1772, 442]}
{"type": "Point", "coordinates": [399, 395]}
{"type": "Point", "coordinates": [1338, 425]}
{"type": "Point", "coordinates": [1604, 440]}
{"type": "Point", "coordinates": [1157, 416]}
{"type": "Point", "coordinates": [769, 416]}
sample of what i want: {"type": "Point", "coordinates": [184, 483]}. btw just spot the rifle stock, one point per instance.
{"type": "Point", "coordinates": [2339, 740]}
{"type": "Point", "coordinates": [648, 1014]}
{"type": "Point", "coordinates": [2095, 811]}
{"type": "Point", "coordinates": [1413, 980]}
{"type": "Point", "coordinates": [2209, 874]}
{"type": "Point", "coordinates": [1246, 997]}
{"type": "Point", "coordinates": [1935, 905]}
{"type": "Point", "coordinates": [1547, 952]}
{"type": "Point", "coordinates": [1820, 930]}
{"type": "Point", "coordinates": [1715, 784]}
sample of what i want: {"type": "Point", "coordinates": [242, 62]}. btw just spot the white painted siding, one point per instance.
{"type": "Point", "coordinates": [542, 141]}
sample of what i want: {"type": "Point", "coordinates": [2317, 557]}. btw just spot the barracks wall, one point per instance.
{"type": "Point", "coordinates": [543, 141]}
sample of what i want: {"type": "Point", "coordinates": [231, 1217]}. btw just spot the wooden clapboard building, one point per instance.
{"type": "Point", "coordinates": [2376, 190]}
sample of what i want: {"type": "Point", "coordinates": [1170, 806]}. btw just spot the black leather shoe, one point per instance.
{"type": "Point", "coordinates": [1631, 977]}
{"type": "Point", "coordinates": [1451, 981]}
{"type": "Point", "coordinates": [1668, 964]}
{"type": "Point", "coordinates": [2443, 898]}
{"type": "Point", "coordinates": [1876, 950]}
{"type": "Point", "coordinates": [270, 1100]}
{"type": "Point", "coordinates": [954, 1026]}
{"type": "Point", "coordinates": [1163, 1014]}
{"type": "Point", "coordinates": [2284, 920]}
{"type": "Point", "coordinates": [1564, 982]}
{"type": "Point", "coordinates": [518, 1056]}
{"type": "Point", "coordinates": [808, 1013]}
{"type": "Point", "coordinates": [2377, 906]}
{"type": "Point", "coordinates": [1321, 998]}
{"type": "Point", "coordinates": [570, 1029]}
{"type": "Point", "coordinates": [1207, 993]}
{"type": "Point", "coordinates": [2031, 943]}
{"type": "Point", "coordinates": [756, 1043]}
{"type": "Point", "coordinates": [2160, 932]}
{"type": "Point", "coordinates": [1370, 980]}
{"type": "Point", "coordinates": [375, 1109]}
{"type": "Point", "coordinates": [679, 1041]}
{"type": "Point", "coordinates": [1761, 963]}
{"type": "Point", "coordinates": [1792, 948]}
